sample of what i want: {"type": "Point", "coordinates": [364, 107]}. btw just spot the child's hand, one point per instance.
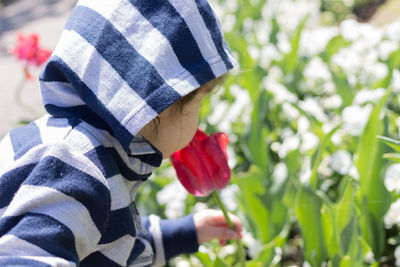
{"type": "Point", "coordinates": [211, 224]}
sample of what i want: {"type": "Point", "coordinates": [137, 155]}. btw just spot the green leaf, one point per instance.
{"type": "Point", "coordinates": [290, 59]}
{"type": "Point", "coordinates": [204, 258]}
{"type": "Point", "coordinates": [254, 263]}
{"type": "Point", "coordinates": [346, 262]}
{"type": "Point", "coordinates": [273, 37]}
{"type": "Point", "coordinates": [329, 230]}
{"type": "Point", "coordinates": [335, 262]}
{"type": "Point", "coordinates": [219, 263]}
{"type": "Point", "coordinates": [395, 144]}
{"type": "Point", "coordinates": [347, 224]}
{"type": "Point", "coordinates": [368, 150]}
{"type": "Point", "coordinates": [255, 140]}
{"type": "Point", "coordinates": [318, 157]}
{"type": "Point", "coordinates": [333, 46]}
{"type": "Point", "coordinates": [344, 211]}
{"type": "Point", "coordinates": [251, 197]}
{"type": "Point", "coordinates": [375, 198]}
{"type": "Point", "coordinates": [266, 254]}
{"type": "Point", "coordinates": [308, 212]}
{"type": "Point", "coordinates": [392, 63]}
{"type": "Point", "coordinates": [395, 157]}
{"type": "Point", "coordinates": [342, 85]}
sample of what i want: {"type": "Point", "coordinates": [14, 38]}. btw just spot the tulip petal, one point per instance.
{"type": "Point", "coordinates": [195, 160]}
{"type": "Point", "coordinates": [200, 135]}
{"type": "Point", "coordinates": [202, 166]}
{"type": "Point", "coordinates": [218, 154]}
{"type": "Point", "coordinates": [186, 177]}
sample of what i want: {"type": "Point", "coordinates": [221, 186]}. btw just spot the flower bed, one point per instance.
{"type": "Point", "coordinates": [311, 181]}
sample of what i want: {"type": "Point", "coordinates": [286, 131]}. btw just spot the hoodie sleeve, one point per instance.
{"type": "Point", "coordinates": [170, 237]}
{"type": "Point", "coordinates": [52, 211]}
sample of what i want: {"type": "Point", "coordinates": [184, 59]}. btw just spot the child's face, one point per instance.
{"type": "Point", "coordinates": [176, 127]}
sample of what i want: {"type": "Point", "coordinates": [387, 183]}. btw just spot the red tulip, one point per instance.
{"type": "Point", "coordinates": [28, 50]}
{"type": "Point", "coordinates": [202, 166]}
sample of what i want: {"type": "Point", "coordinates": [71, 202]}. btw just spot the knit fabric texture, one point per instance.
{"type": "Point", "coordinates": [68, 180]}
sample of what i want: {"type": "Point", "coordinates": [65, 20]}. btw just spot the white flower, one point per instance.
{"type": "Point", "coordinates": [341, 162]}
{"type": "Point", "coordinates": [224, 116]}
{"type": "Point", "coordinates": [254, 52]}
{"type": "Point", "coordinates": [324, 168]}
{"type": "Point", "coordinates": [308, 141]}
{"type": "Point", "coordinates": [226, 251]}
{"type": "Point", "coordinates": [219, 109]}
{"type": "Point", "coordinates": [312, 106]}
{"type": "Point", "coordinates": [354, 172]}
{"type": "Point", "coordinates": [387, 47]}
{"type": "Point", "coordinates": [397, 256]}
{"type": "Point", "coordinates": [289, 144]}
{"type": "Point", "coordinates": [392, 217]}
{"type": "Point", "coordinates": [290, 13]}
{"type": "Point", "coordinates": [348, 60]}
{"type": "Point", "coordinates": [231, 155]}
{"type": "Point", "coordinates": [253, 244]}
{"type": "Point", "coordinates": [332, 102]}
{"type": "Point", "coordinates": [280, 172]}
{"type": "Point", "coordinates": [303, 124]}
{"type": "Point", "coordinates": [231, 6]}
{"type": "Point", "coordinates": [365, 95]}
{"type": "Point", "coordinates": [228, 196]}
{"type": "Point", "coordinates": [354, 119]}
{"type": "Point", "coordinates": [199, 206]}
{"type": "Point", "coordinates": [291, 112]}
{"type": "Point", "coordinates": [317, 69]}
{"type": "Point", "coordinates": [369, 257]}
{"type": "Point", "coordinates": [248, 24]}
{"type": "Point", "coordinates": [181, 262]}
{"type": "Point", "coordinates": [392, 178]}
{"type": "Point", "coordinates": [263, 30]}
{"type": "Point", "coordinates": [393, 31]}
{"type": "Point", "coordinates": [283, 43]}
{"type": "Point", "coordinates": [228, 22]}
{"type": "Point", "coordinates": [305, 172]}
{"type": "Point", "coordinates": [349, 29]}
{"type": "Point", "coordinates": [268, 53]}
{"type": "Point", "coordinates": [313, 41]}
{"type": "Point", "coordinates": [367, 34]}
{"type": "Point", "coordinates": [377, 70]}
{"type": "Point", "coordinates": [396, 81]}
{"type": "Point", "coordinates": [173, 196]}
{"type": "Point", "coordinates": [272, 83]}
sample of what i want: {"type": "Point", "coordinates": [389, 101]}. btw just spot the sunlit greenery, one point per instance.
{"type": "Point", "coordinates": [303, 113]}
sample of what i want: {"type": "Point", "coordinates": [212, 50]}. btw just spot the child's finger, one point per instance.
{"type": "Point", "coordinates": [219, 219]}
{"type": "Point", "coordinates": [222, 242]}
{"type": "Point", "coordinates": [236, 222]}
{"type": "Point", "coordinates": [222, 233]}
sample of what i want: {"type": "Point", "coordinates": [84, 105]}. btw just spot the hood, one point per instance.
{"type": "Point", "coordinates": [120, 63]}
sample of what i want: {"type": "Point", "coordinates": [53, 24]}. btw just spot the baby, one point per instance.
{"type": "Point", "coordinates": [123, 90]}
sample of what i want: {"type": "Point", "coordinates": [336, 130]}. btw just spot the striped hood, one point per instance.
{"type": "Point", "coordinates": [120, 63]}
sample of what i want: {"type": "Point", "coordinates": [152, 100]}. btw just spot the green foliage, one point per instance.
{"type": "Point", "coordinates": [374, 196]}
{"type": "Point", "coordinates": [310, 176]}
{"type": "Point", "coordinates": [308, 212]}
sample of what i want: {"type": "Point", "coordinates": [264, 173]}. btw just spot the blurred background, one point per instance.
{"type": "Point", "coordinates": [313, 120]}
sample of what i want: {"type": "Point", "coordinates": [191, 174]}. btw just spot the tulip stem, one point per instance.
{"type": "Point", "coordinates": [232, 227]}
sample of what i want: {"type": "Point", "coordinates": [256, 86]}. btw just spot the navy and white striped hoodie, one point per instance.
{"type": "Point", "coordinates": [68, 180]}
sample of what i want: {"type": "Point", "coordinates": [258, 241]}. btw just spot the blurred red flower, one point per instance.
{"type": "Point", "coordinates": [29, 51]}
{"type": "Point", "coordinates": [202, 166]}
